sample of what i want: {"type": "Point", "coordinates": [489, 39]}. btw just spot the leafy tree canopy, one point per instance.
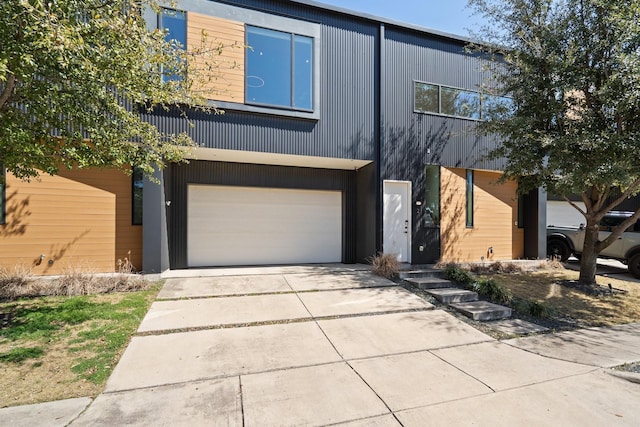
{"type": "Point", "coordinates": [572, 68]}
{"type": "Point", "coordinates": [74, 77]}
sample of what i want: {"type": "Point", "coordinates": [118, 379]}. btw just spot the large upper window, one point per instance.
{"type": "Point", "coordinates": [279, 69]}
{"type": "Point", "coordinates": [468, 104]}
{"type": "Point", "coordinates": [174, 23]}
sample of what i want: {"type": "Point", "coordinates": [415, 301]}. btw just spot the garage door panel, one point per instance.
{"type": "Point", "coordinates": [253, 226]}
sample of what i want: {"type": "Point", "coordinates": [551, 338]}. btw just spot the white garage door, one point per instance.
{"type": "Point", "coordinates": [561, 213]}
{"type": "Point", "coordinates": [229, 225]}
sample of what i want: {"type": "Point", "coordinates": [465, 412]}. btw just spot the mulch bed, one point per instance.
{"type": "Point", "coordinates": [594, 290]}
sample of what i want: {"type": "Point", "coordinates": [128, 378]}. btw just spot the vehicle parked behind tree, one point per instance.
{"type": "Point", "coordinates": [562, 242]}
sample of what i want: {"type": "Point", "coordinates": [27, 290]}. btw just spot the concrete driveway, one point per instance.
{"type": "Point", "coordinates": [339, 346]}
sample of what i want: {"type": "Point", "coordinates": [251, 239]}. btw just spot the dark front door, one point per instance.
{"type": "Point", "coordinates": [426, 219]}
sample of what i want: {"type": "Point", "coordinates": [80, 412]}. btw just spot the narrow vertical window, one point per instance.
{"type": "Point", "coordinates": [521, 211]}
{"type": "Point", "coordinates": [432, 195]}
{"type": "Point", "coordinates": [302, 72]}
{"type": "Point", "coordinates": [469, 215]}
{"type": "Point", "coordinates": [3, 195]}
{"type": "Point", "coordinates": [174, 23]}
{"type": "Point", "coordinates": [136, 196]}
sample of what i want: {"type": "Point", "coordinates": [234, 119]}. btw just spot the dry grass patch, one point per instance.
{"type": "Point", "coordinates": [385, 265]}
{"type": "Point", "coordinates": [19, 283]}
{"type": "Point", "coordinates": [571, 304]}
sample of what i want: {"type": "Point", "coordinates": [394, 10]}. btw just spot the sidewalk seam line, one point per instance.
{"type": "Point", "coordinates": [254, 294]}
{"type": "Point", "coordinates": [161, 332]}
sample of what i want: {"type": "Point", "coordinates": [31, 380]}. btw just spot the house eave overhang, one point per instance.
{"type": "Point", "coordinates": [253, 157]}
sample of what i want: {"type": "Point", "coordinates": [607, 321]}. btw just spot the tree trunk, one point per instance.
{"type": "Point", "coordinates": [588, 262]}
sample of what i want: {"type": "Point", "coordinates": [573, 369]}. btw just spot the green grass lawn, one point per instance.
{"type": "Point", "coordinates": [60, 347]}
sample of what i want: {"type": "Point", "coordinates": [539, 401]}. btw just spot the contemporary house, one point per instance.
{"type": "Point", "coordinates": [344, 135]}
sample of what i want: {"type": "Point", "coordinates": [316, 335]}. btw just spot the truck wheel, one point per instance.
{"type": "Point", "coordinates": [634, 265]}
{"type": "Point", "coordinates": [558, 249]}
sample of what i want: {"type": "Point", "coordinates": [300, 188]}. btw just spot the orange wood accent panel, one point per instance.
{"type": "Point", "coordinates": [495, 218]}
{"type": "Point", "coordinates": [219, 44]}
{"type": "Point", "coordinates": [80, 219]}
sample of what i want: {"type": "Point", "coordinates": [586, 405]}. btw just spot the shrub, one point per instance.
{"type": "Point", "coordinates": [511, 267]}
{"type": "Point", "coordinates": [551, 264]}
{"type": "Point", "coordinates": [458, 275]}
{"type": "Point", "coordinates": [15, 281]}
{"type": "Point", "coordinates": [385, 265]}
{"type": "Point", "coordinates": [539, 309]}
{"type": "Point", "coordinates": [533, 308]}
{"type": "Point", "coordinates": [496, 267]}
{"type": "Point", "coordinates": [19, 283]}
{"type": "Point", "coordinates": [492, 290]}
{"type": "Point", "coordinates": [79, 282]}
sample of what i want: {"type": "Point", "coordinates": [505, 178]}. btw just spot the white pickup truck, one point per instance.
{"type": "Point", "coordinates": [562, 242]}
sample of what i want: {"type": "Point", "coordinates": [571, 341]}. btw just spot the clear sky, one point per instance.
{"type": "Point", "coordinates": [450, 16]}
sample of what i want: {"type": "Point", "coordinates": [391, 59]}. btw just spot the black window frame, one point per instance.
{"type": "Point", "coordinates": [469, 184]}
{"type": "Point", "coordinates": [137, 202]}
{"type": "Point", "coordinates": [481, 96]}
{"type": "Point", "coordinates": [3, 195]}
{"type": "Point", "coordinates": [521, 210]}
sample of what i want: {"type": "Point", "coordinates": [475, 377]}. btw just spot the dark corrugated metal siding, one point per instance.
{"type": "Point", "coordinates": [348, 125]}
{"type": "Point", "coordinates": [353, 99]}
{"type": "Point", "coordinates": [366, 207]}
{"type": "Point", "coordinates": [241, 174]}
{"type": "Point", "coordinates": [413, 140]}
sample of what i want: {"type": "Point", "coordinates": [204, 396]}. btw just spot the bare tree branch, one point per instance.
{"type": "Point", "coordinates": [578, 208]}
{"type": "Point", "coordinates": [8, 91]}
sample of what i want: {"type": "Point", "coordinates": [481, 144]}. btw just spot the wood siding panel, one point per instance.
{"type": "Point", "coordinates": [219, 62]}
{"type": "Point", "coordinates": [80, 219]}
{"type": "Point", "coordinates": [495, 218]}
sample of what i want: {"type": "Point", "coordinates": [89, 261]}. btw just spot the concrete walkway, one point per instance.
{"type": "Point", "coordinates": [338, 346]}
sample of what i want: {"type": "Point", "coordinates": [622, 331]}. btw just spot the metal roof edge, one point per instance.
{"type": "Point", "coordinates": [387, 21]}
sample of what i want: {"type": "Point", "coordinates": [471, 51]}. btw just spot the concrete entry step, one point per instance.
{"type": "Point", "coordinates": [453, 295]}
{"type": "Point", "coordinates": [425, 272]}
{"type": "Point", "coordinates": [482, 310]}
{"type": "Point", "coordinates": [429, 282]}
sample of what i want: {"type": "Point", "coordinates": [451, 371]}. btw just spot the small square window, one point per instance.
{"type": "Point", "coordinates": [427, 98]}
